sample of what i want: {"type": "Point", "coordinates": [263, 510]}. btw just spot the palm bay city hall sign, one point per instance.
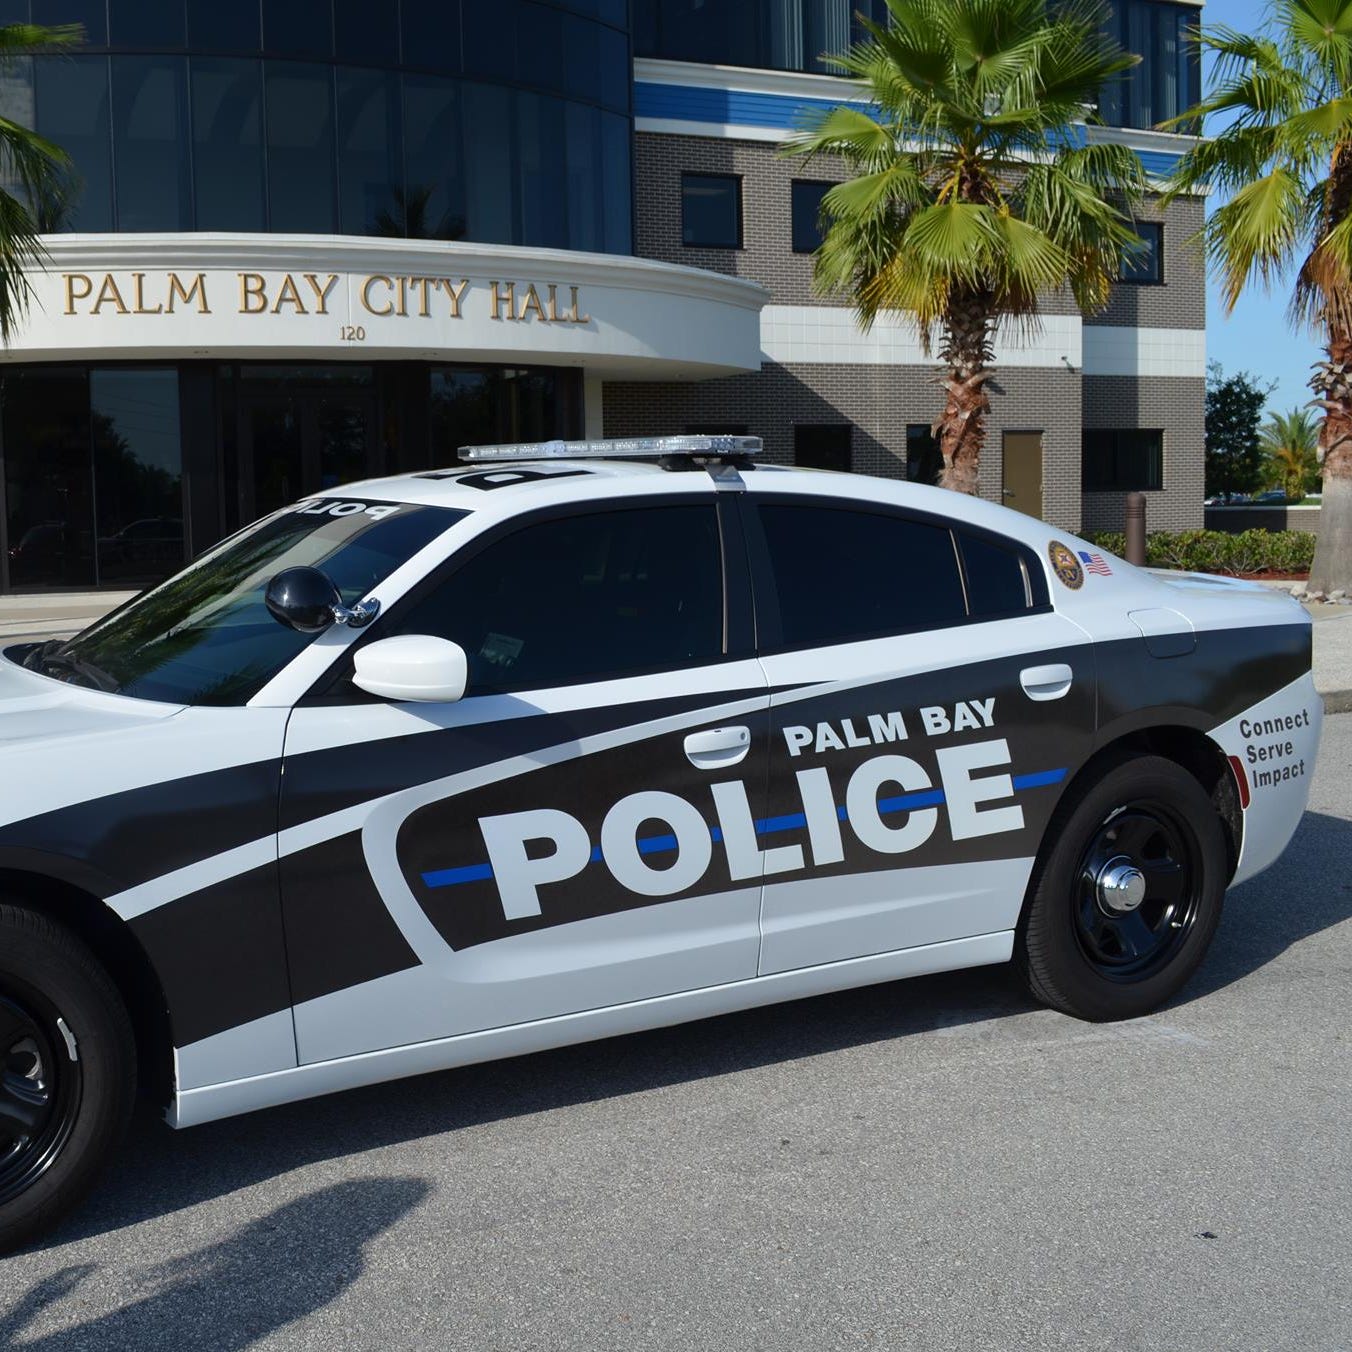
{"type": "Point", "coordinates": [379, 295]}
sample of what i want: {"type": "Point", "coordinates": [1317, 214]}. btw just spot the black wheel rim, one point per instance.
{"type": "Point", "coordinates": [1137, 892]}
{"type": "Point", "coordinates": [40, 1086]}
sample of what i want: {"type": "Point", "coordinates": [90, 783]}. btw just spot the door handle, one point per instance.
{"type": "Point", "coordinates": [718, 747]}
{"type": "Point", "coordinates": [1044, 683]}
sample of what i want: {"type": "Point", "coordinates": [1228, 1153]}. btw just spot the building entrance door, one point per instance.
{"type": "Point", "coordinates": [1023, 472]}
{"type": "Point", "coordinates": [302, 434]}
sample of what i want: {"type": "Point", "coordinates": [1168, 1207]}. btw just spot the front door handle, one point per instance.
{"type": "Point", "coordinates": [1044, 683]}
{"type": "Point", "coordinates": [718, 747]}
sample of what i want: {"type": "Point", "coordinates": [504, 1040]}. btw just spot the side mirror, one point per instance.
{"type": "Point", "coordinates": [307, 600]}
{"type": "Point", "coordinates": [413, 667]}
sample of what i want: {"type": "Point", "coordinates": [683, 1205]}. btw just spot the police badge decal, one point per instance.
{"type": "Point", "coordinates": [1066, 565]}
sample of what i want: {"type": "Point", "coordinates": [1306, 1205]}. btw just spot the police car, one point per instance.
{"type": "Point", "coordinates": [583, 738]}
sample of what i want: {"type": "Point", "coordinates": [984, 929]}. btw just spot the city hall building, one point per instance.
{"type": "Point", "coordinates": [308, 241]}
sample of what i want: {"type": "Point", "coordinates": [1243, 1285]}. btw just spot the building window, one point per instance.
{"type": "Point", "coordinates": [806, 201]}
{"type": "Point", "coordinates": [822, 446]}
{"type": "Point", "coordinates": [1168, 79]}
{"type": "Point", "coordinates": [711, 211]}
{"type": "Point", "coordinates": [923, 459]}
{"type": "Point", "coordinates": [1145, 262]}
{"type": "Point", "coordinates": [1126, 459]}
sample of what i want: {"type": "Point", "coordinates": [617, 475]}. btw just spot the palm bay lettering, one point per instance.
{"type": "Point", "coordinates": [381, 295]}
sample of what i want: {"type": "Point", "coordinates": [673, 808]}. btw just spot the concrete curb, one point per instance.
{"type": "Point", "coordinates": [1338, 701]}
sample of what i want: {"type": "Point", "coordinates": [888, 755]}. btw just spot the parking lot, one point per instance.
{"type": "Point", "coordinates": [934, 1164]}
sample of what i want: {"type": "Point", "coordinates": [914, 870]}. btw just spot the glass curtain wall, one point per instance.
{"type": "Point", "coordinates": [428, 119]}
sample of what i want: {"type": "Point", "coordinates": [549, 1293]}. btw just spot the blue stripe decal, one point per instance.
{"type": "Point", "coordinates": [766, 826]}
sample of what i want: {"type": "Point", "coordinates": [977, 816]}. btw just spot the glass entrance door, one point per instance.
{"type": "Point", "coordinates": [303, 431]}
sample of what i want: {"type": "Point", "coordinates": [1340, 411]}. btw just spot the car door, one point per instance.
{"type": "Point", "coordinates": [576, 832]}
{"type": "Point", "coordinates": [928, 704]}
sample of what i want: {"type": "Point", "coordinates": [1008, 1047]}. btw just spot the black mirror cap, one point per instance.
{"type": "Point", "coordinates": [302, 599]}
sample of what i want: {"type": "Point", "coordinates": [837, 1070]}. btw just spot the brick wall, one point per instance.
{"type": "Point", "coordinates": [1176, 404]}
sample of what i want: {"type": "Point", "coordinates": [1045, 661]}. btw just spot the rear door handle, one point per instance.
{"type": "Point", "coordinates": [718, 747]}
{"type": "Point", "coordinates": [1044, 683]}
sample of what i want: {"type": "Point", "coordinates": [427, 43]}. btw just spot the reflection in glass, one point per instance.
{"type": "Point", "coordinates": [370, 183]}
{"type": "Point", "coordinates": [433, 201]}
{"type": "Point", "coordinates": [91, 15]}
{"type": "Point", "coordinates": [228, 143]}
{"type": "Point", "coordinates": [138, 466]}
{"type": "Point", "coordinates": [150, 95]}
{"type": "Point", "coordinates": [48, 479]}
{"type": "Point", "coordinates": [73, 110]}
{"type": "Point", "coordinates": [540, 163]}
{"type": "Point", "coordinates": [488, 157]}
{"type": "Point", "coordinates": [616, 186]}
{"type": "Point", "coordinates": [583, 126]}
{"type": "Point", "coordinates": [475, 407]}
{"type": "Point", "coordinates": [300, 147]}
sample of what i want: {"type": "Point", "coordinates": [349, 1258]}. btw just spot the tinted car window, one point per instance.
{"type": "Point", "coordinates": [842, 574]}
{"type": "Point", "coordinates": [995, 577]}
{"type": "Point", "coordinates": [582, 598]}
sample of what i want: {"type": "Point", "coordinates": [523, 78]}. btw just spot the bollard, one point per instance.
{"type": "Point", "coordinates": [1136, 529]}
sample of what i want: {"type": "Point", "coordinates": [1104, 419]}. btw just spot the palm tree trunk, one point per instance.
{"type": "Point", "coordinates": [961, 427]}
{"type": "Point", "coordinates": [1332, 384]}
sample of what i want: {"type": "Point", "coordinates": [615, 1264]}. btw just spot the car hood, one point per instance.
{"type": "Point", "coordinates": [36, 708]}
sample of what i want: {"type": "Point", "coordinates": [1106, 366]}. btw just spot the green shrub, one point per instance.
{"type": "Point", "coordinates": [1214, 551]}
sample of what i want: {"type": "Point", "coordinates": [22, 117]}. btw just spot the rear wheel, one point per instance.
{"type": "Point", "coordinates": [67, 1072]}
{"type": "Point", "coordinates": [1129, 895]}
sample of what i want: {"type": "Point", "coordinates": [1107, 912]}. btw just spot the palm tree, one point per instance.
{"type": "Point", "coordinates": [1284, 160]}
{"type": "Point", "coordinates": [38, 173]}
{"type": "Point", "coordinates": [973, 196]}
{"type": "Point", "coordinates": [1290, 443]}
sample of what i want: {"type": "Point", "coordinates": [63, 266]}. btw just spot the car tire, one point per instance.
{"type": "Point", "coordinates": [1128, 895]}
{"type": "Point", "coordinates": [67, 1072]}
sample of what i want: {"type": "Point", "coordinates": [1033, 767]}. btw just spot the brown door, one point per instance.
{"type": "Point", "coordinates": [1023, 472]}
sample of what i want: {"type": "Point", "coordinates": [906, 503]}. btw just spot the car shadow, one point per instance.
{"type": "Point", "coordinates": [275, 1270]}
{"type": "Point", "coordinates": [161, 1171]}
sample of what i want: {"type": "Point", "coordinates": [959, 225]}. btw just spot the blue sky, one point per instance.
{"type": "Point", "coordinates": [1258, 337]}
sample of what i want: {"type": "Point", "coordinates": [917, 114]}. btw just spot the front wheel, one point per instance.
{"type": "Point", "coordinates": [1129, 895]}
{"type": "Point", "coordinates": [67, 1072]}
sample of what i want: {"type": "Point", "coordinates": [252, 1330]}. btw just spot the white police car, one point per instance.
{"type": "Point", "coordinates": [459, 765]}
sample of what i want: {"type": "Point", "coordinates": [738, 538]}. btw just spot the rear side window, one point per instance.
{"type": "Point", "coordinates": [842, 575]}
{"type": "Point", "coordinates": [582, 598]}
{"type": "Point", "coordinates": [997, 583]}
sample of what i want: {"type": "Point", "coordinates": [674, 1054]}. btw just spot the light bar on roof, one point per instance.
{"type": "Point", "coordinates": [619, 448]}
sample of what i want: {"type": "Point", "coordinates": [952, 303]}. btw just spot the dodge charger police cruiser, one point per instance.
{"type": "Point", "coordinates": [581, 738]}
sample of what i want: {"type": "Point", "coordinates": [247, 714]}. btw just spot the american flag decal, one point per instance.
{"type": "Point", "coordinates": [1093, 563]}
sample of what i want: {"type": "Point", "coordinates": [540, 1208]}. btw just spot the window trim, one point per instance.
{"type": "Point", "coordinates": [769, 627]}
{"type": "Point", "coordinates": [1123, 280]}
{"type": "Point", "coordinates": [328, 689]}
{"type": "Point", "coordinates": [741, 211]}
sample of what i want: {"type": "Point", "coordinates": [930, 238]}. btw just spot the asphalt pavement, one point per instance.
{"type": "Point", "coordinates": [934, 1164]}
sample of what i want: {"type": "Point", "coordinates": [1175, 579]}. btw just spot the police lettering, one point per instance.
{"type": "Point", "coordinates": [657, 844]}
{"type": "Point", "coordinates": [323, 507]}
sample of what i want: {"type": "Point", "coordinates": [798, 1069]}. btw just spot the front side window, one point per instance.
{"type": "Point", "coordinates": [1126, 459]}
{"type": "Point", "coordinates": [206, 636]}
{"type": "Point", "coordinates": [841, 575]}
{"type": "Point", "coordinates": [711, 211]}
{"type": "Point", "coordinates": [581, 598]}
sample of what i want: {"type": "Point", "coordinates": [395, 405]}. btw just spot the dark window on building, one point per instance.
{"type": "Point", "coordinates": [304, 28]}
{"type": "Point", "coordinates": [74, 110]}
{"type": "Point", "coordinates": [1129, 459]}
{"type": "Point", "coordinates": [145, 23]}
{"type": "Point", "coordinates": [300, 147]}
{"type": "Point", "coordinates": [430, 32]}
{"type": "Point", "coordinates": [227, 131]}
{"type": "Point", "coordinates": [91, 15]}
{"type": "Point", "coordinates": [1145, 262]}
{"type": "Point", "coordinates": [370, 181]}
{"type": "Point", "coordinates": [217, 27]}
{"type": "Point", "coordinates": [1168, 79]}
{"type": "Point", "coordinates": [583, 598]}
{"type": "Point", "coordinates": [150, 142]}
{"type": "Point", "coordinates": [822, 446]}
{"type": "Point", "coordinates": [711, 211]}
{"type": "Point", "coordinates": [924, 462]}
{"type": "Point", "coordinates": [542, 170]}
{"type": "Point", "coordinates": [367, 34]}
{"type": "Point", "coordinates": [491, 210]}
{"type": "Point", "coordinates": [842, 575]}
{"type": "Point", "coordinates": [806, 200]}
{"type": "Point", "coordinates": [138, 466]}
{"type": "Point", "coordinates": [433, 201]}
{"type": "Point", "coordinates": [996, 581]}
{"type": "Point", "coordinates": [488, 30]}
{"type": "Point", "coordinates": [617, 191]}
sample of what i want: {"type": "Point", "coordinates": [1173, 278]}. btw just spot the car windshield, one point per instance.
{"type": "Point", "coordinates": [206, 636]}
